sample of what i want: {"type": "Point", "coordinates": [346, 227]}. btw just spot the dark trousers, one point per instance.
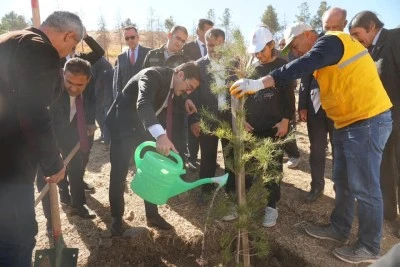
{"type": "Point", "coordinates": [193, 146]}
{"type": "Point", "coordinates": [101, 114]}
{"type": "Point", "coordinates": [318, 126]}
{"type": "Point", "coordinates": [71, 184]}
{"type": "Point", "coordinates": [273, 187]}
{"type": "Point", "coordinates": [121, 152]}
{"type": "Point", "coordinates": [290, 147]}
{"type": "Point", "coordinates": [390, 174]}
{"type": "Point", "coordinates": [18, 226]}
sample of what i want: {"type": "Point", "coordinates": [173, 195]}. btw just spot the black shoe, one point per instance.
{"type": "Point", "coordinates": [65, 198]}
{"type": "Point", "coordinates": [89, 188]}
{"type": "Point", "coordinates": [158, 222]}
{"type": "Point", "coordinates": [83, 211]}
{"type": "Point", "coordinates": [116, 226]}
{"type": "Point", "coordinates": [314, 194]}
{"type": "Point", "coordinates": [192, 166]}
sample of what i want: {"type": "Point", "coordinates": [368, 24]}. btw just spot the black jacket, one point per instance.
{"type": "Point", "coordinates": [30, 74]}
{"type": "Point", "coordinates": [192, 50]}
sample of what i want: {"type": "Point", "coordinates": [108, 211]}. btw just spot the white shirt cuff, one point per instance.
{"type": "Point", "coordinates": [156, 130]}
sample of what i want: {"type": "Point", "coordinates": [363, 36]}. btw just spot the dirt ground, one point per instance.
{"type": "Point", "coordinates": [290, 246]}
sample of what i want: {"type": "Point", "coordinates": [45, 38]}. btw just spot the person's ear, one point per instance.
{"type": "Point", "coordinates": [169, 35]}
{"type": "Point", "coordinates": [181, 75]}
{"type": "Point", "coordinates": [69, 35]}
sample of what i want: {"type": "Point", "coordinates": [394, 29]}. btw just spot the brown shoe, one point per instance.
{"type": "Point", "coordinates": [158, 222]}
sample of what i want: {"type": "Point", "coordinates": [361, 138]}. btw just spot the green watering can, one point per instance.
{"type": "Point", "coordinates": [158, 178]}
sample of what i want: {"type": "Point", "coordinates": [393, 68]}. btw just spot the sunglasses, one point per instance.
{"type": "Point", "coordinates": [133, 37]}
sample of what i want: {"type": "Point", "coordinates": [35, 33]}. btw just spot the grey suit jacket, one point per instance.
{"type": "Point", "coordinates": [125, 69]}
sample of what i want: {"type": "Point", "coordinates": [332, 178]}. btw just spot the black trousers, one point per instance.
{"type": "Point", "coordinates": [390, 174]}
{"type": "Point", "coordinates": [290, 147]}
{"type": "Point", "coordinates": [208, 161]}
{"type": "Point", "coordinates": [71, 184]}
{"type": "Point", "coordinates": [318, 126]}
{"type": "Point", "coordinates": [193, 146]}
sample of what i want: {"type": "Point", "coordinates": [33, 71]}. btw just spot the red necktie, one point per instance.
{"type": "Point", "coordinates": [170, 108]}
{"type": "Point", "coordinates": [132, 57]}
{"type": "Point", "coordinates": [81, 123]}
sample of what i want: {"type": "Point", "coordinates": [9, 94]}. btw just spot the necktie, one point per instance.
{"type": "Point", "coordinates": [204, 49]}
{"type": "Point", "coordinates": [81, 125]}
{"type": "Point", "coordinates": [132, 57]}
{"type": "Point", "coordinates": [170, 108]}
{"type": "Point", "coordinates": [370, 49]}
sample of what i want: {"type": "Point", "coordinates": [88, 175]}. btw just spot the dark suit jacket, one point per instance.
{"type": "Point", "coordinates": [386, 55]}
{"type": "Point", "coordinates": [203, 97]}
{"type": "Point", "coordinates": [125, 69]}
{"type": "Point", "coordinates": [192, 50]}
{"type": "Point", "coordinates": [30, 73]}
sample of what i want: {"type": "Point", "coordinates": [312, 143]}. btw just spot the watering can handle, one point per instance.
{"type": "Point", "coordinates": [138, 151]}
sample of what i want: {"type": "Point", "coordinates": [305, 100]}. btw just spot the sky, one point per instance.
{"type": "Point", "coordinates": [244, 14]}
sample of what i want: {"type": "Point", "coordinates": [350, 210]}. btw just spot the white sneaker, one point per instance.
{"type": "Point", "coordinates": [293, 162]}
{"type": "Point", "coordinates": [232, 215]}
{"type": "Point", "coordinates": [270, 217]}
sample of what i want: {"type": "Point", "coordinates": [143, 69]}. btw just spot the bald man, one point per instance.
{"type": "Point", "coordinates": [310, 111]}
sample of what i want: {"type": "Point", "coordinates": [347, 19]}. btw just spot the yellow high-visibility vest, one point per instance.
{"type": "Point", "coordinates": [351, 90]}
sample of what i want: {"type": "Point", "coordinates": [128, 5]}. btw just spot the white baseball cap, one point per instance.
{"type": "Point", "coordinates": [260, 38]}
{"type": "Point", "coordinates": [292, 32]}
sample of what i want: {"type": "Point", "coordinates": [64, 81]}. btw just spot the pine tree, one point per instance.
{"type": "Point", "coordinates": [226, 22]}
{"type": "Point", "coordinates": [270, 18]}
{"type": "Point", "coordinates": [12, 21]}
{"type": "Point", "coordinates": [304, 15]}
{"type": "Point", "coordinates": [103, 35]}
{"type": "Point", "coordinates": [211, 15]}
{"type": "Point", "coordinates": [316, 22]}
{"type": "Point", "coordinates": [169, 23]}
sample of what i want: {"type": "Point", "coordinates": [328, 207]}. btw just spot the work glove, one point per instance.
{"type": "Point", "coordinates": [246, 86]}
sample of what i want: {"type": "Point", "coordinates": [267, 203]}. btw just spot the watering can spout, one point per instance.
{"type": "Point", "coordinates": [183, 186]}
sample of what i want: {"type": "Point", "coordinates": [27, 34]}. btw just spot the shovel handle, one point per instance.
{"type": "Point", "coordinates": [55, 211]}
{"type": "Point", "coordinates": [45, 189]}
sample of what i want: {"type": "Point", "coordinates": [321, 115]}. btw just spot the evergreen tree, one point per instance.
{"type": "Point", "coordinates": [270, 18]}
{"type": "Point", "coordinates": [226, 22]}
{"type": "Point", "coordinates": [304, 15]}
{"type": "Point", "coordinates": [316, 22]}
{"type": "Point", "coordinates": [12, 21]}
{"type": "Point", "coordinates": [169, 23]}
{"type": "Point", "coordinates": [211, 15]}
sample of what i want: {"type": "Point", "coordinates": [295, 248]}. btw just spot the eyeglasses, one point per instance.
{"type": "Point", "coordinates": [133, 37]}
{"type": "Point", "coordinates": [179, 39]}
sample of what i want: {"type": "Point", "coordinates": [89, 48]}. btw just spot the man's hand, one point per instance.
{"type": "Point", "coordinates": [55, 178]}
{"type": "Point", "coordinates": [190, 107]}
{"type": "Point", "coordinates": [246, 86]}
{"type": "Point", "coordinates": [282, 127]}
{"type": "Point", "coordinates": [164, 145]}
{"type": "Point", "coordinates": [91, 128]}
{"type": "Point", "coordinates": [303, 115]}
{"type": "Point", "coordinates": [195, 128]}
{"type": "Point", "coordinates": [248, 127]}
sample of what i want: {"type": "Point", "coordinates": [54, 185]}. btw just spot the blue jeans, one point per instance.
{"type": "Point", "coordinates": [18, 225]}
{"type": "Point", "coordinates": [356, 172]}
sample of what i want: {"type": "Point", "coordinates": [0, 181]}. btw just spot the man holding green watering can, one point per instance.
{"type": "Point", "coordinates": [145, 101]}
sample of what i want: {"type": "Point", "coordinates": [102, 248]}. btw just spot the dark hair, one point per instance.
{"type": "Point", "coordinates": [203, 22]}
{"type": "Point", "coordinates": [130, 27]}
{"type": "Point", "coordinates": [179, 28]}
{"type": "Point", "coordinates": [190, 69]}
{"type": "Point", "coordinates": [215, 32]}
{"type": "Point", "coordinates": [364, 19]}
{"type": "Point", "coordinates": [77, 65]}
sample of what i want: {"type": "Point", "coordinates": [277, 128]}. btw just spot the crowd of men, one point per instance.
{"type": "Point", "coordinates": [50, 98]}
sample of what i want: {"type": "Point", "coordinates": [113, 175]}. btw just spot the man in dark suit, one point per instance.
{"type": "Point", "coordinates": [66, 112]}
{"type": "Point", "coordinates": [204, 98]}
{"type": "Point", "coordinates": [149, 89]}
{"type": "Point", "coordinates": [130, 62]}
{"type": "Point", "coordinates": [195, 50]}
{"type": "Point", "coordinates": [384, 46]}
{"type": "Point", "coordinates": [171, 55]}
{"type": "Point", "coordinates": [29, 78]}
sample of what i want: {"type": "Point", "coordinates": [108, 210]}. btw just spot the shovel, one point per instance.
{"type": "Point", "coordinates": [59, 255]}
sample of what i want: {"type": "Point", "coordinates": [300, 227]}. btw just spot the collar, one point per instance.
{"type": "Point", "coordinates": [376, 37]}
{"type": "Point", "coordinates": [42, 34]}
{"type": "Point", "coordinates": [199, 42]}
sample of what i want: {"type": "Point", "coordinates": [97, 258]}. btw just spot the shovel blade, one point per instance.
{"type": "Point", "coordinates": [48, 258]}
